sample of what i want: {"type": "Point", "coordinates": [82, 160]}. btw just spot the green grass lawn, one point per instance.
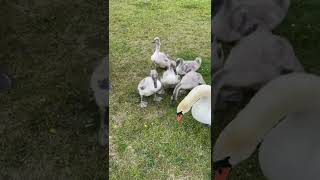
{"type": "Point", "coordinates": [302, 28]}
{"type": "Point", "coordinates": [149, 143]}
{"type": "Point", "coordinates": [50, 48]}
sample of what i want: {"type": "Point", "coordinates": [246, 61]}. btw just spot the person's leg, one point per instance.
{"type": "Point", "coordinates": [5, 81]}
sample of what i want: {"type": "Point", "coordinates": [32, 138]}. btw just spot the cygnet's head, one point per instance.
{"type": "Point", "coordinates": [172, 66]}
{"type": "Point", "coordinates": [154, 76]}
{"type": "Point", "coordinates": [198, 60]}
{"type": "Point", "coordinates": [156, 40]}
{"type": "Point", "coordinates": [179, 61]}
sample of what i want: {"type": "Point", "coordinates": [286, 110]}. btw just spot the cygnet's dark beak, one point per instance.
{"type": "Point", "coordinates": [175, 71]}
{"type": "Point", "coordinates": [154, 82]}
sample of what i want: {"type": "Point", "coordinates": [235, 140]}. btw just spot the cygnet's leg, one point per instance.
{"type": "Point", "coordinates": [174, 92]}
{"type": "Point", "coordinates": [183, 91]}
{"type": "Point", "coordinates": [156, 98]}
{"type": "Point", "coordinates": [103, 131]}
{"type": "Point", "coordinates": [162, 91]}
{"type": "Point", "coordinates": [143, 104]}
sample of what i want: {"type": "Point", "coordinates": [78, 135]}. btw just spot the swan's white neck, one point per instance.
{"type": "Point", "coordinates": [290, 93]}
{"type": "Point", "coordinates": [194, 95]}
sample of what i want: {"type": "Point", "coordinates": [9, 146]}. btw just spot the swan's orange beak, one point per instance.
{"type": "Point", "coordinates": [179, 116]}
{"type": "Point", "coordinates": [222, 173]}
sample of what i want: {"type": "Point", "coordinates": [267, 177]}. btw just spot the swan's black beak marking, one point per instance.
{"type": "Point", "coordinates": [222, 169]}
{"type": "Point", "coordinates": [179, 116]}
{"type": "Point", "coordinates": [222, 163]}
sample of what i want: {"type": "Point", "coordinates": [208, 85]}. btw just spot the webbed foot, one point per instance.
{"type": "Point", "coordinates": [143, 104]}
{"type": "Point", "coordinates": [157, 99]}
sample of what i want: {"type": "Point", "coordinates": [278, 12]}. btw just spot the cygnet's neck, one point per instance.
{"type": "Point", "coordinates": [157, 48]}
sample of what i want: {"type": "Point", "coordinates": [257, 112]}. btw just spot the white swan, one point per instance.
{"type": "Point", "coordinates": [149, 86]}
{"type": "Point", "coordinates": [284, 117]}
{"type": "Point", "coordinates": [199, 99]}
{"type": "Point", "coordinates": [159, 58]}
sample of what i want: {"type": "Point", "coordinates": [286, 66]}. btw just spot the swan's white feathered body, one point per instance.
{"type": "Point", "coordinates": [201, 110]}
{"type": "Point", "coordinates": [284, 117]}
{"type": "Point", "coordinates": [292, 145]}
